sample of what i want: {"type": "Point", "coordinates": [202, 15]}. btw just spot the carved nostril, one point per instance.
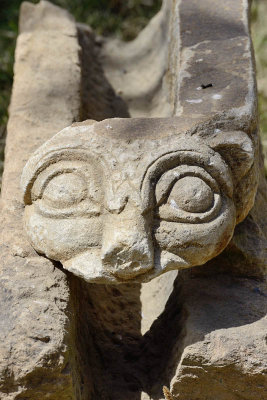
{"type": "Point", "coordinates": [122, 245]}
{"type": "Point", "coordinates": [119, 252]}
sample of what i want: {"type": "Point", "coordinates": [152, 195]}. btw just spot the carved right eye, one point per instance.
{"type": "Point", "coordinates": [187, 194]}
{"type": "Point", "coordinates": [191, 194]}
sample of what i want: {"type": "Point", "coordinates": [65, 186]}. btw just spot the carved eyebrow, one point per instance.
{"type": "Point", "coordinates": [48, 174]}
{"type": "Point", "coordinates": [39, 163]}
{"type": "Point", "coordinates": [163, 158]}
{"type": "Point", "coordinates": [211, 161]}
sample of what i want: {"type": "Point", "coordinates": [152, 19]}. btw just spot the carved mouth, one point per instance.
{"type": "Point", "coordinates": [89, 266]}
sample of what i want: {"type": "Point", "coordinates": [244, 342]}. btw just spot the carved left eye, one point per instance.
{"type": "Point", "coordinates": [187, 194]}
{"type": "Point", "coordinates": [65, 190]}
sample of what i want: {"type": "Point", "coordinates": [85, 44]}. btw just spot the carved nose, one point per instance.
{"type": "Point", "coordinates": [127, 247]}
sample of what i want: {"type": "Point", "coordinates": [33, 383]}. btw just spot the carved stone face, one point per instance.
{"type": "Point", "coordinates": [116, 209]}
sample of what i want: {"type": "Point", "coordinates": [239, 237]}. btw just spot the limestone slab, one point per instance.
{"type": "Point", "coordinates": [223, 340]}
{"type": "Point", "coordinates": [35, 304]}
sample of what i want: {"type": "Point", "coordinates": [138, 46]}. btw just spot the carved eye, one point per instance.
{"type": "Point", "coordinates": [187, 194]}
{"type": "Point", "coordinates": [68, 188]}
{"type": "Point", "coordinates": [191, 194]}
{"type": "Point", "coordinates": [65, 190]}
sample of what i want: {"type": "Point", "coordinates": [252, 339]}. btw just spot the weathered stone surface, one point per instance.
{"type": "Point", "coordinates": [222, 346]}
{"type": "Point", "coordinates": [139, 70]}
{"type": "Point", "coordinates": [112, 210]}
{"type": "Point", "coordinates": [246, 254]}
{"type": "Point", "coordinates": [208, 43]}
{"type": "Point", "coordinates": [126, 341]}
{"type": "Point", "coordinates": [170, 232]}
{"type": "Point", "coordinates": [34, 296]}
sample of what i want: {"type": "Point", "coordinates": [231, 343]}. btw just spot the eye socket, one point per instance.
{"type": "Point", "coordinates": [187, 194]}
{"type": "Point", "coordinates": [68, 189]}
{"type": "Point", "coordinates": [191, 194]}
{"type": "Point", "coordinates": [65, 190]}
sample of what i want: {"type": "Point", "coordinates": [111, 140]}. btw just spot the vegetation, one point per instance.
{"type": "Point", "coordinates": [123, 18]}
{"type": "Point", "coordinates": [259, 36]}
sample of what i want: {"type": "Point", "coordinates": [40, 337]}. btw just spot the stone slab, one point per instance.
{"type": "Point", "coordinates": [222, 346]}
{"type": "Point", "coordinates": [35, 303]}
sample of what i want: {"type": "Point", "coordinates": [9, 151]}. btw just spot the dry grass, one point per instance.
{"type": "Point", "coordinates": [167, 393]}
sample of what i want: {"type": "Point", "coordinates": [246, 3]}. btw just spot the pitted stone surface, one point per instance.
{"type": "Point", "coordinates": [116, 211]}
{"type": "Point", "coordinates": [191, 194]}
{"type": "Point", "coordinates": [69, 339]}
{"type": "Point", "coordinates": [34, 295]}
{"type": "Point", "coordinates": [222, 343]}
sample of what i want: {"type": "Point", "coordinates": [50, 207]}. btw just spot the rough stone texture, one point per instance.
{"type": "Point", "coordinates": [157, 291]}
{"type": "Point", "coordinates": [35, 302]}
{"type": "Point", "coordinates": [222, 345]}
{"type": "Point", "coordinates": [202, 337]}
{"type": "Point", "coordinates": [98, 98]}
{"type": "Point", "coordinates": [111, 209]}
{"type": "Point", "coordinates": [169, 232]}
{"type": "Point", "coordinates": [138, 70]}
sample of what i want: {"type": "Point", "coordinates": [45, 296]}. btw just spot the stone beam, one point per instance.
{"type": "Point", "coordinates": [35, 300]}
{"type": "Point", "coordinates": [216, 65]}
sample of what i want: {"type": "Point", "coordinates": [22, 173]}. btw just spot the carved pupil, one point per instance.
{"type": "Point", "coordinates": [191, 194]}
{"type": "Point", "coordinates": [64, 190]}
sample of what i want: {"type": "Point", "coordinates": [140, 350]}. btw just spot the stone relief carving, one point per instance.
{"type": "Point", "coordinates": [112, 207]}
{"type": "Point", "coordinates": [123, 200]}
